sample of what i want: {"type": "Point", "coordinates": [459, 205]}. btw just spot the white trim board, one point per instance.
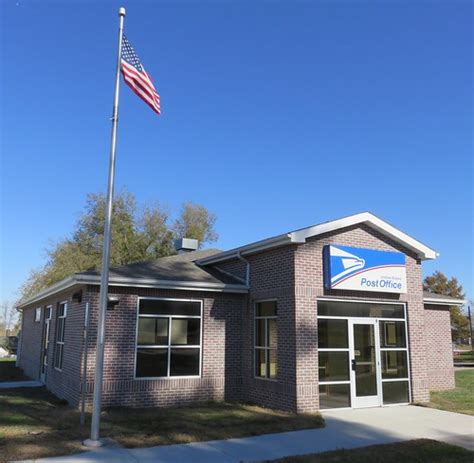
{"type": "Point", "coordinates": [300, 236]}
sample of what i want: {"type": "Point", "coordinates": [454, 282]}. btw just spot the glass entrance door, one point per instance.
{"type": "Point", "coordinates": [365, 363]}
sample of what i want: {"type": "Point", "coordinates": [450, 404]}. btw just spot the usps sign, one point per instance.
{"type": "Point", "coordinates": [364, 269]}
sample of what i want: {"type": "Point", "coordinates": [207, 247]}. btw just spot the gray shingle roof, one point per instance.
{"type": "Point", "coordinates": [181, 267]}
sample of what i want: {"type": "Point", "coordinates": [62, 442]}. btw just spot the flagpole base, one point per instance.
{"type": "Point", "coordinates": [93, 443]}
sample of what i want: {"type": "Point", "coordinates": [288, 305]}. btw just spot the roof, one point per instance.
{"type": "Point", "coordinates": [180, 267]}
{"type": "Point", "coordinates": [301, 235]}
{"type": "Point", "coordinates": [440, 299]}
{"type": "Point", "coordinates": [189, 271]}
{"type": "Point", "coordinates": [174, 272]}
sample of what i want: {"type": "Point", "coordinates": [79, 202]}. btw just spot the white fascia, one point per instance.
{"type": "Point", "coordinates": [77, 280]}
{"type": "Point", "coordinates": [424, 252]}
{"type": "Point", "coordinates": [439, 301]}
{"type": "Point", "coordinates": [300, 237]}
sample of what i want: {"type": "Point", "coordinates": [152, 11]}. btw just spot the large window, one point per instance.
{"type": "Point", "coordinates": [60, 331]}
{"type": "Point", "coordinates": [168, 338]}
{"type": "Point", "coordinates": [266, 339]}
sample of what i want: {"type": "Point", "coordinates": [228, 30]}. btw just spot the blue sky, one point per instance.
{"type": "Point", "coordinates": [276, 115]}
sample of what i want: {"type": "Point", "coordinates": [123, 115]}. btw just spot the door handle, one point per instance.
{"type": "Point", "coordinates": [354, 364]}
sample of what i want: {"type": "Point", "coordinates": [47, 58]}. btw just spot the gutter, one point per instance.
{"type": "Point", "coordinates": [270, 243]}
{"type": "Point", "coordinates": [79, 279]}
{"type": "Point", "coordinates": [440, 301]}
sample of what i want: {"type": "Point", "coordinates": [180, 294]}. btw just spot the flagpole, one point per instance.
{"type": "Point", "coordinates": [104, 281]}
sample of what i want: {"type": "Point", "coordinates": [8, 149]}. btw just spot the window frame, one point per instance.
{"type": "Point", "coordinates": [38, 314]}
{"type": "Point", "coordinates": [169, 346]}
{"type": "Point", "coordinates": [408, 379]}
{"type": "Point", "coordinates": [265, 348]}
{"type": "Point", "coordinates": [56, 332]}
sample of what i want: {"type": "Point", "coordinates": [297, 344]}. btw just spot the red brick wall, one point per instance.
{"type": "Point", "coordinates": [310, 285]}
{"type": "Point", "coordinates": [293, 275]}
{"type": "Point", "coordinates": [65, 384]}
{"type": "Point", "coordinates": [438, 348]}
{"type": "Point", "coordinates": [31, 334]}
{"type": "Point", "coordinates": [221, 356]}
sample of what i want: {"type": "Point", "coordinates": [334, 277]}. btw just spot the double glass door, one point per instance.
{"type": "Point", "coordinates": [364, 352]}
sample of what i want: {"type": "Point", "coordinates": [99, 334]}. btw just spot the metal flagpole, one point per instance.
{"type": "Point", "coordinates": [104, 281]}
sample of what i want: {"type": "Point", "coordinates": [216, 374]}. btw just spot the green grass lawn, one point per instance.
{"type": "Point", "coordinates": [35, 424]}
{"type": "Point", "coordinates": [9, 372]}
{"type": "Point", "coordinates": [461, 399]}
{"type": "Point", "coordinates": [415, 451]}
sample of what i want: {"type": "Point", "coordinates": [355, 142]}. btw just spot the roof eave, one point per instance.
{"type": "Point", "coordinates": [259, 246]}
{"type": "Point", "coordinates": [79, 279]}
{"type": "Point", "coordinates": [422, 251]}
{"type": "Point", "coordinates": [445, 302]}
{"type": "Point", "coordinates": [300, 236]}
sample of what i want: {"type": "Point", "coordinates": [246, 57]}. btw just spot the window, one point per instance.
{"type": "Point", "coordinates": [333, 368]}
{"type": "Point", "coordinates": [38, 314]}
{"type": "Point", "coordinates": [168, 338]}
{"type": "Point", "coordinates": [266, 339]}
{"type": "Point", "coordinates": [60, 330]}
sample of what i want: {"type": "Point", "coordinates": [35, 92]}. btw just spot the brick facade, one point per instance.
{"type": "Point", "coordinates": [293, 275]}
{"type": "Point", "coordinates": [438, 347]}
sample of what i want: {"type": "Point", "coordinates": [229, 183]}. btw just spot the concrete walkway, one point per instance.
{"type": "Point", "coordinates": [15, 384]}
{"type": "Point", "coordinates": [344, 429]}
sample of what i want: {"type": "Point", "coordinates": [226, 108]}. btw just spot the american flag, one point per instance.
{"type": "Point", "coordinates": [136, 77]}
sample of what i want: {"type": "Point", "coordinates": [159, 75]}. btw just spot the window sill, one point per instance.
{"type": "Point", "coordinates": [165, 378]}
{"type": "Point", "coordinates": [271, 380]}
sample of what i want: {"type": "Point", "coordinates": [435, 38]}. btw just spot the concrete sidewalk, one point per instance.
{"type": "Point", "coordinates": [344, 429]}
{"type": "Point", "coordinates": [16, 384]}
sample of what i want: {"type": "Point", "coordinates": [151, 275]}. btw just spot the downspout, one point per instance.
{"type": "Point", "coordinates": [247, 263]}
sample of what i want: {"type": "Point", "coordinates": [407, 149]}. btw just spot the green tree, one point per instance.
{"type": "Point", "coordinates": [438, 283]}
{"type": "Point", "coordinates": [138, 234]}
{"type": "Point", "coordinates": [196, 222]}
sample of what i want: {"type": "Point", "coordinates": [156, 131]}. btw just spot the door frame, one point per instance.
{"type": "Point", "coordinates": [368, 401]}
{"type": "Point", "coordinates": [48, 310]}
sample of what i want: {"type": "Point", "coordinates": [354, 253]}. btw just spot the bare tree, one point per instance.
{"type": "Point", "coordinates": [9, 317]}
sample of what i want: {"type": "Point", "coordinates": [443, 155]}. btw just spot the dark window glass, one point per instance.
{"type": "Point", "coordinates": [151, 362]}
{"type": "Point", "coordinates": [392, 334]}
{"type": "Point", "coordinates": [334, 396]}
{"type": "Point", "coordinates": [394, 364]}
{"type": "Point", "coordinates": [185, 331]}
{"type": "Point", "coordinates": [260, 333]}
{"type": "Point", "coordinates": [152, 331]}
{"type": "Point", "coordinates": [333, 366]}
{"type": "Point", "coordinates": [332, 334]}
{"type": "Point", "coordinates": [395, 392]}
{"type": "Point", "coordinates": [266, 309]}
{"type": "Point", "coordinates": [260, 363]}
{"type": "Point", "coordinates": [184, 362]}
{"type": "Point", "coordinates": [165, 307]}
{"type": "Point", "coordinates": [359, 309]}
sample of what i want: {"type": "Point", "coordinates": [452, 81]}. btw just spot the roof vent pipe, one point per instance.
{"type": "Point", "coordinates": [185, 245]}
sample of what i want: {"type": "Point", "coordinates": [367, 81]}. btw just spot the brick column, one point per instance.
{"type": "Point", "coordinates": [306, 349]}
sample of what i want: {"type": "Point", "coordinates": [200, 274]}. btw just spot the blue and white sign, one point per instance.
{"type": "Point", "coordinates": [364, 269]}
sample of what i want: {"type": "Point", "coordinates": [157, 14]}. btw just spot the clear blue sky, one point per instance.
{"type": "Point", "coordinates": [276, 115]}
